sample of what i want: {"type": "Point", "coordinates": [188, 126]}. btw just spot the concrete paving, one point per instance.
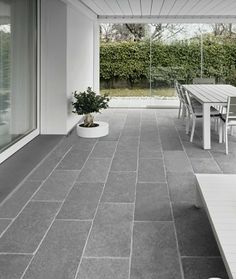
{"type": "Point", "coordinates": [119, 207]}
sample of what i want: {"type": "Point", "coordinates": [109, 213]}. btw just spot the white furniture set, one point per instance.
{"type": "Point", "coordinates": [201, 100]}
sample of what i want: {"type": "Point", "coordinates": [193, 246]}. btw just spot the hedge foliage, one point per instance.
{"type": "Point", "coordinates": [130, 61]}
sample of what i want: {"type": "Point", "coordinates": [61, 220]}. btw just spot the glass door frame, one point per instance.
{"type": "Point", "coordinates": [27, 138]}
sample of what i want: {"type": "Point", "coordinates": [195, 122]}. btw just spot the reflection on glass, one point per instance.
{"type": "Point", "coordinates": [17, 70]}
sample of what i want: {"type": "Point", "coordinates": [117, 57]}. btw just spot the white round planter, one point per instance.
{"type": "Point", "coordinates": [93, 132]}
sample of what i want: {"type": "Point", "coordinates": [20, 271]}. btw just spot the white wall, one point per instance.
{"type": "Point", "coordinates": [53, 66]}
{"type": "Point", "coordinates": [66, 65]}
{"type": "Point", "coordinates": [80, 47]}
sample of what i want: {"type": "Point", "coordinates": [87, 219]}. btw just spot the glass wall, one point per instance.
{"type": "Point", "coordinates": [146, 59]}
{"type": "Point", "coordinates": [18, 70]}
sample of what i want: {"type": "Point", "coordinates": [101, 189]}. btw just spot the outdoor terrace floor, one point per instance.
{"type": "Point", "coordinates": [119, 207]}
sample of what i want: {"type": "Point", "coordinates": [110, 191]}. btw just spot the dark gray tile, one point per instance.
{"type": "Point", "coordinates": [13, 205]}
{"type": "Point", "coordinates": [199, 268]}
{"type": "Point", "coordinates": [95, 170]}
{"type": "Point", "coordinates": [194, 233]}
{"type": "Point", "coordinates": [151, 170]}
{"type": "Point", "coordinates": [182, 186]}
{"type": "Point", "coordinates": [149, 135]}
{"type": "Point", "coordinates": [74, 159]}
{"type": "Point", "coordinates": [150, 149]}
{"type": "Point", "coordinates": [26, 232]}
{"type": "Point", "coordinates": [104, 149]}
{"type": "Point", "coordinates": [120, 187]}
{"type": "Point", "coordinates": [152, 202]}
{"type": "Point", "coordinates": [170, 139]}
{"type": "Point", "coordinates": [227, 163]}
{"type": "Point", "coordinates": [47, 166]}
{"type": "Point", "coordinates": [3, 224]}
{"type": "Point", "coordinates": [130, 131]}
{"type": "Point", "coordinates": [195, 150]}
{"type": "Point", "coordinates": [104, 269]}
{"type": "Point", "coordinates": [124, 162]}
{"type": "Point", "coordinates": [82, 201]}
{"type": "Point", "coordinates": [177, 161]}
{"type": "Point", "coordinates": [154, 251]}
{"type": "Point", "coordinates": [111, 232]}
{"type": "Point", "coordinates": [205, 166]}
{"type": "Point", "coordinates": [56, 186]}
{"type": "Point", "coordinates": [127, 144]}
{"type": "Point", "coordinates": [60, 252]}
{"type": "Point", "coordinates": [13, 266]}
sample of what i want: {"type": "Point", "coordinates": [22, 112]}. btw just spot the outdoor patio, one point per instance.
{"type": "Point", "coordinates": [119, 207]}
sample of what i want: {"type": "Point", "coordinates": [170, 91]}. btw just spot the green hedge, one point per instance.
{"type": "Point", "coordinates": [130, 61]}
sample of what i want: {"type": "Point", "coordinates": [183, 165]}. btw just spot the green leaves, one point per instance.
{"type": "Point", "coordinates": [130, 61]}
{"type": "Point", "coordinates": [89, 102]}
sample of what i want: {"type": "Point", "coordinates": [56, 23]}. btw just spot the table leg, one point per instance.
{"type": "Point", "coordinates": [206, 126]}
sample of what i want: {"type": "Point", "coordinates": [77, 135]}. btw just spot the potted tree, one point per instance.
{"type": "Point", "coordinates": [88, 102]}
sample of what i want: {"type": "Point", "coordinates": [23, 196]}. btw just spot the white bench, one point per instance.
{"type": "Point", "coordinates": [218, 194]}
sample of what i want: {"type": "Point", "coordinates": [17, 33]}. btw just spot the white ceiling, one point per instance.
{"type": "Point", "coordinates": [161, 8]}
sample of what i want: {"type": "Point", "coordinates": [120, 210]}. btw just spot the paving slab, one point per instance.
{"type": "Point", "coordinates": [101, 268]}
{"type": "Point", "coordinates": [82, 201]}
{"type": "Point", "coordinates": [57, 186]}
{"type": "Point", "coordinates": [120, 187]}
{"type": "Point", "coordinates": [17, 200]}
{"type": "Point", "coordinates": [28, 229]}
{"type": "Point", "coordinates": [111, 231]}
{"type": "Point", "coordinates": [60, 253]}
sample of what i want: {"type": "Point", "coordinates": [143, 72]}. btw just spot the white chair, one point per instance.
{"type": "Point", "coordinates": [229, 120]}
{"type": "Point", "coordinates": [194, 112]}
{"type": "Point", "coordinates": [181, 101]}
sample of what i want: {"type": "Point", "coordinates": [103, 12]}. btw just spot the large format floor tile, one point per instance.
{"type": "Point", "coordinates": [26, 232]}
{"type": "Point", "coordinates": [13, 205]}
{"type": "Point", "coordinates": [194, 232]}
{"type": "Point", "coordinates": [114, 200]}
{"type": "Point", "coordinates": [82, 201]}
{"type": "Point", "coordinates": [3, 224]}
{"type": "Point", "coordinates": [120, 187]}
{"type": "Point", "coordinates": [199, 268]}
{"type": "Point", "coordinates": [13, 266]}
{"type": "Point", "coordinates": [104, 268]}
{"type": "Point", "coordinates": [155, 252]}
{"type": "Point", "coordinates": [182, 186]}
{"type": "Point", "coordinates": [124, 162]}
{"type": "Point", "coordinates": [104, 149]}
{"type": "Point", "coordinates": [177, 161]}
{"type": "Point", "coordinates": [111, 232]}
{"type": "Point", "coordinates": [56, 186]}
{"type": "Point", "coordinates": [95, 170]}
{"type": "Point", "coordinates": [151, 170]}
{"type": "Point", "coordinates": [152, 202]}
{"type": "Point", "coordinates": [60, 253]}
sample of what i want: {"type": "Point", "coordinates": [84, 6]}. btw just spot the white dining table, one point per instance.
{"type": "Point", "coordinates": [210, 95]}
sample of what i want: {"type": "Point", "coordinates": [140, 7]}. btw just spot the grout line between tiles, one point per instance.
{"type": "Point", "coordinates": [26, 178]}
{"type": "Point", "coordinates": [112, 258]}
{"type": "Point", "coordinates": [171, 209]}
{"type": "Point", "coordinates": [45, 234]}
{"type": "Point", "coordinates": [90, 230]}
{"type": "Point", "coordinates": [13, 219]}
{"type": "Point", "coordinates": [135, 196]}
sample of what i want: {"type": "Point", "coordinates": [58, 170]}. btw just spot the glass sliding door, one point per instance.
{"type": "Point", "coordinates": [18, 70]}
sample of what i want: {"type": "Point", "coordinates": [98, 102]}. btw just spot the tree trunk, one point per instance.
{"type": "Point", "coordinates": [88, 120]}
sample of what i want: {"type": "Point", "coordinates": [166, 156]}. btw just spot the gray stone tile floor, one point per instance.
{"type": "Point", "coordinates": [118, 207]}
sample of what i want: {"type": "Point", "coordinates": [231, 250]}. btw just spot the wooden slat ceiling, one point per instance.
{"type": "Point", "coordinates": [152, 8]}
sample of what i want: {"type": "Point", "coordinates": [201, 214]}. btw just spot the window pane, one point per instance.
{"type": "Point", "coordinates": [17, 70]}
